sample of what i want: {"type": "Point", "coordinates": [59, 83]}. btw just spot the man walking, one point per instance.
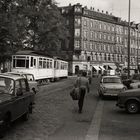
{"type": "Point", "coordinates": [83, 82]}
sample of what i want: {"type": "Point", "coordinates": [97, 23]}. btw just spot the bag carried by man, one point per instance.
{"type": "Point", "coordinates": [75, 92]}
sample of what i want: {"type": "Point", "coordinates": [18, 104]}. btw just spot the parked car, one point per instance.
{"type": "Point", "coordinates": [135, 81]}
{"type": "Point", "coordinates": [16, 100]}
{"type": "Point", "coordinates": [31, 80]}
{"type": "Point", "coordinates": [110, 86]}
{"type": "Point", "coordinates": [130, 100]}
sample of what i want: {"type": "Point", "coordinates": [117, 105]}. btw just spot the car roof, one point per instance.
{"type": "Point", "coordinates": [14, 77]}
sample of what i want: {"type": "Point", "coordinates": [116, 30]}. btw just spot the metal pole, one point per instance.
{"type": "Point", "coordinates": [137, 51]}
{"type": "Point", "coordinates": [129, 39]}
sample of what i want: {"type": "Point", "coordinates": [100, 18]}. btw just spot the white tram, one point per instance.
{"type": "Point", "coordinates": [43, 67]}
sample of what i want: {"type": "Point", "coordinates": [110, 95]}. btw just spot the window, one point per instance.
{"type": "Point", "coordinates": [85, 34]}
{"type": "Point", "coordinates": [91, 35]}
{"type": "Point", "coordinates": [77, 21]}
{"type": "Point", "coordinates": [91, 24]}
{"type": "Point", "coordinates": [31, 61]}
{"type": "Point", "coordinates": [21, 61]}
{"type": "Point", "coordinates": [77, 32]}
{"type": "Point", "coordinates": [77, 44]}
{"type": "Point", "coordinates": [85, 22]}
{"type": "Point", "coordinates": [23, 85]}
{"type": "Point", "coordinates": [40, 63]}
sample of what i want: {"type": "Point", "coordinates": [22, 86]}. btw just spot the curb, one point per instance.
{"type": "Point", "coordinates": [94, 129]}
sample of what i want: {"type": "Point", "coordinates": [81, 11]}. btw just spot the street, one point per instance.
{"type": "Point", "coordinates": [56, 117]}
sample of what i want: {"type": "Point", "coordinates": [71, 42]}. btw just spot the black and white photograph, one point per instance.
{"type": "Point", "coordinates": [69, 70]}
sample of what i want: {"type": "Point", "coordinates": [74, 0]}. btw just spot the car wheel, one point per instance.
{"type": "Point", "coordinates": [132, 107]}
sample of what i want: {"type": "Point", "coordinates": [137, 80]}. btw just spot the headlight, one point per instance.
{"type": "Point", "coordinates": [103, 89]}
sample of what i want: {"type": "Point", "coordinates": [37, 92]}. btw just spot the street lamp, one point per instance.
{"type": "Point", "coordinates": [129, 39]}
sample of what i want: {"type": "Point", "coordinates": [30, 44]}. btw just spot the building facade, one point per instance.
{"type": "Point", "coordinates": [99, 40]}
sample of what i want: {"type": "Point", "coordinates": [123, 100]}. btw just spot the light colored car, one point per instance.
{"type": "Point", "coordinates": [135, 81]}
{"type": "Point", "coordinates": [110, 86]}
{"type": "Point", "coordinates": [31, 80]}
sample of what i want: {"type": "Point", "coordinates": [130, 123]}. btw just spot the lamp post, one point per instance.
{"type": "Point", "coordinates": [137, 51]}
{"type": "Point", "coordinates": [129, 38]}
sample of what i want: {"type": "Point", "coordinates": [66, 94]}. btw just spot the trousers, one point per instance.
{"type": "Point", "coordinates": [81, 99]}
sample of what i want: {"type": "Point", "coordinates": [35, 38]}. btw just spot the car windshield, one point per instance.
{"type": "Point", "coordinates": [111, 80]}
{"type": "Point", "coordinates": [6, 85]}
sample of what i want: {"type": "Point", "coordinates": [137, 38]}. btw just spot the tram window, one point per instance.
{"type": "Point", "coordinates": [31, 61]}
{"type": "Point", "coordinates": [58, 64]}
{"type": "Point", "coordinates": [34, 62]}
{"type": "Point", "coordinates": [50, 63]}
{"type": "Point", "coordinates": [40, 64]}
{"type": "Point", "coordinates": [27, 63]}
{"type": "Point", "coordinates": [47, 63]}
{"type": "Point", "coordinates": [20, 63]}
{"type": "Point", "coordinates": [14, 62]}
{"type": "Point", "coordinates": [44, 64]}
{"type": "Point", "coordinates": [55, 64]}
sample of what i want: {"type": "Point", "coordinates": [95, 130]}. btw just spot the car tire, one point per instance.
{"type": "Point", "coordinates": [132, 107]}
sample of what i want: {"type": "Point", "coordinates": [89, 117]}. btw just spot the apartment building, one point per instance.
{"type": "Point", "coordinates": [98, 40]}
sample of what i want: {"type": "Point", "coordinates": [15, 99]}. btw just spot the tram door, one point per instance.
{"type": "Point", "coordinates": [33, 66]}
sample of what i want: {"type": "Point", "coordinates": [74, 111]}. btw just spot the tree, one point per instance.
{"type": "Point", "coordinates": [35, 24]}
{"type": "Point", "coordinates": [7, 30]}
{"type": "Point", "coordinates": [44, 28]}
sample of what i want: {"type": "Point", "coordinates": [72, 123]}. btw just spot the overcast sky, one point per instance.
{"type": "Point", "coordinates": [118, 8]}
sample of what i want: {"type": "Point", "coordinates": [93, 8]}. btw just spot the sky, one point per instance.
{"type": "Point", "coordinates": [118, 8]}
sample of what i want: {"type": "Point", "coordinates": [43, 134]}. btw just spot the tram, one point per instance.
{"type": "Point", "coordinates": [43, 67]}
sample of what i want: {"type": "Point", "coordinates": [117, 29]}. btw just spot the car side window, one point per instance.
{"type": "Point", "coordinates": [17, 86]}
{"type": "Point", "coordinates": [23, 85]}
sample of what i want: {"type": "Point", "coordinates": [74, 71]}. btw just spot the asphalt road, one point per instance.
{"type": "Point", "coordinates": [116, 124]}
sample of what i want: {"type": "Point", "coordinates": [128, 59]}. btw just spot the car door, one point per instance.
{"type": "Point", "coordinates": [26, 95]}
{"type": "Point", "coordinates": [16, 102]}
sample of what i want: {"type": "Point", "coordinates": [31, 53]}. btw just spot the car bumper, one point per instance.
{"type": "Point", "coordinates": [120, 105]}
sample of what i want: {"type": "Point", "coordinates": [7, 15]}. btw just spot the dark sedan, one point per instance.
{"type": "Point", "coordinates": [130, 100]}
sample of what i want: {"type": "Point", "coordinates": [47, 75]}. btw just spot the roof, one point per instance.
{"type": "Point", "coordinates": [30, 52]}
{"type": "Point", "coordinates": [14, 77]}
{"type": "Point", "coordinates": [18, 73]}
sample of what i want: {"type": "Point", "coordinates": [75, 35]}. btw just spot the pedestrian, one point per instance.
{"type": "Point", "coordinates": [83, 83]}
